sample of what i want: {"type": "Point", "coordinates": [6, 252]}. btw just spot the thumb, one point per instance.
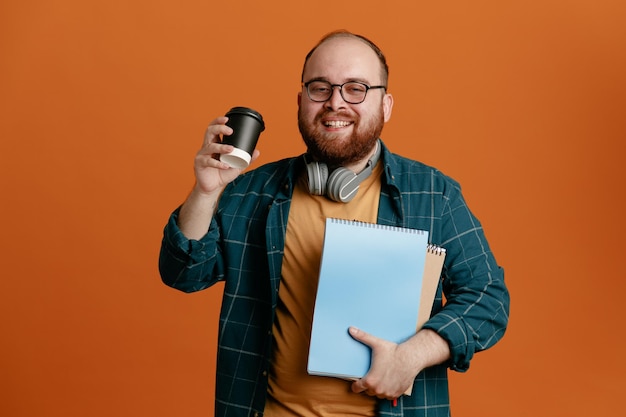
{"type": "Point", "coordinates": [362, 336]}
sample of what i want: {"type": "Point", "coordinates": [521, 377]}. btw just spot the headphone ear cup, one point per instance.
{"type": "Point", "coordinates": [342, 185]}
{"type": "Point", "coordinates": [317, 174]}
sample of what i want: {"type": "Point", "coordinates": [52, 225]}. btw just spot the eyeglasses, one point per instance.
{"type": "Point", "coordinates": [352, 92]}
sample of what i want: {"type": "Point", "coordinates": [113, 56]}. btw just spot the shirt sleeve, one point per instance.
{"type": "Point", "coordinates": [476, 312]}
{"type": "Point", "coordinates": [189, 265]}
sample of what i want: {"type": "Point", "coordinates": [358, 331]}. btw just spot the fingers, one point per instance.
{"type": "Point", "coordinates": [209, 160]}
{"type": "Point", "coordinates": [381, 380]}
{"type": "Point", "coordinates": [255, 155]}
{"type": "Point", "coordinates": [362, 336]}
{"type": "Point", "coordinates": [214, 132]}
{"type": "Point", "coordinates": [216, 129]}
{"type": "Point", "coordinates": [361, 386]}
{"type": "Point", "coordinates": [212, 147]}
{"type": "Point", "coordinates": [366, 384]}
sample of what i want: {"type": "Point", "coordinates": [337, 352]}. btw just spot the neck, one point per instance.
{"type": "Point", "coordinates": [362, 164]}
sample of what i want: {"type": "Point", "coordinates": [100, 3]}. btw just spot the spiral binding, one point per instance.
{"type": "Point", "coordinates": [376, 226]}
{"type": "Point", "coordinates": [435, 249]}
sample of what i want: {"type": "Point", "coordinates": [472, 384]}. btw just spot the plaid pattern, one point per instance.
{"type": "Point", "coordinates": [244, 248]}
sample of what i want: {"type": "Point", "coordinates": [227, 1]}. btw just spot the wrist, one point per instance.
{"type": "Point", "coordinates": [425, 349]}
{"type": "Point", "coordinates": [196, 213]}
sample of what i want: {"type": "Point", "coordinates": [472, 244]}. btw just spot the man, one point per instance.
{"type": "Point", "coordinates": [261, 233]}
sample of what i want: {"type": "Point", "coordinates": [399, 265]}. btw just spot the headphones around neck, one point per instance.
{"type": "Point", "coordinates": [342, 184]}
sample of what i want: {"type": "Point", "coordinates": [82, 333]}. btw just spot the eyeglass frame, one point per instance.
{"type": "Point", "coordinates": [332, 88]}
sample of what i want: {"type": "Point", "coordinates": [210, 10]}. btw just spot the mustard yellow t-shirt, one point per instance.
{"type": "Point", "coordinates": [292, 392]}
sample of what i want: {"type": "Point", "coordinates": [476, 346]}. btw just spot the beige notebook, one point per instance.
{"type": "Point", "coordinates": [435, 256]}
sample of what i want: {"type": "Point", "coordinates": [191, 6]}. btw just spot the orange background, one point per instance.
{"type": "Point", "coordinates": [104, 103]}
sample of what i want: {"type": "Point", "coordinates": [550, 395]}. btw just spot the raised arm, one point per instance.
{"type": "Point", "coordinates": [212, 176]}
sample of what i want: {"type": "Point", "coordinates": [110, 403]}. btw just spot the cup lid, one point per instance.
{"type": "Point", "coordinates": [249, 112]}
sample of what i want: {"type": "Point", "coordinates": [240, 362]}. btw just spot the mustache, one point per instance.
{"type": "Point", "coordinates": [329, 113]}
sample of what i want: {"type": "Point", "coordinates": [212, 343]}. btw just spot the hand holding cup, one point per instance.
{"type": "Point", "coordinates": [247, 125]}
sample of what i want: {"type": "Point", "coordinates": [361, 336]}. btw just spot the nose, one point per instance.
{"type": "Point", "coordinates": [335, 101]}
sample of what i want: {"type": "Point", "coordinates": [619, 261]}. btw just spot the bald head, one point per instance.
{"type": "Point", "coordinates": [384, 69]}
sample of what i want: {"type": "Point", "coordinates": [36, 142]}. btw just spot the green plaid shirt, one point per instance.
{"type": "Point", "coordinates": [244, 248]}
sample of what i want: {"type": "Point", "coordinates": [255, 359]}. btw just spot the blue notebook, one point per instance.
{"type": "Point", "coordinates": [370, 278]}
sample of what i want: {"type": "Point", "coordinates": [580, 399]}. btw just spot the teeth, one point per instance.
{"type": "Point", "coordinates": [336, 123]}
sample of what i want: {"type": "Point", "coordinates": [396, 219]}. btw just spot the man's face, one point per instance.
{"type": "Point", "coordinates": [337, 132]}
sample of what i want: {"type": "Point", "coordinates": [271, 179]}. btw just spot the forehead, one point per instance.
{"type": "Point", "coordinates": [343, 58]}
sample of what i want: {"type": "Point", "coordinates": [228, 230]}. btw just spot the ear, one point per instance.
{"type": "Point", "coordinates": [387, 106]}
{"type": "Point", "coordinates": [299, 98]}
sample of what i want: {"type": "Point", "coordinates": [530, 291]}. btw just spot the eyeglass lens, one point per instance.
{"type": "Point", "coordinates": [351, 92]}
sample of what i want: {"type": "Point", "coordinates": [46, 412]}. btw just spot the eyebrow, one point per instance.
{"type": "Point", "coordinates": [348, 80]}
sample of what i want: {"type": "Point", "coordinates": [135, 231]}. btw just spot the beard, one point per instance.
{"type": "Point", "coordinates": [334, 150]}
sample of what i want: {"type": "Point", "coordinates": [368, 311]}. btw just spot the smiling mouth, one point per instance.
{"type": "Point", "coordinates": [336, 123]}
